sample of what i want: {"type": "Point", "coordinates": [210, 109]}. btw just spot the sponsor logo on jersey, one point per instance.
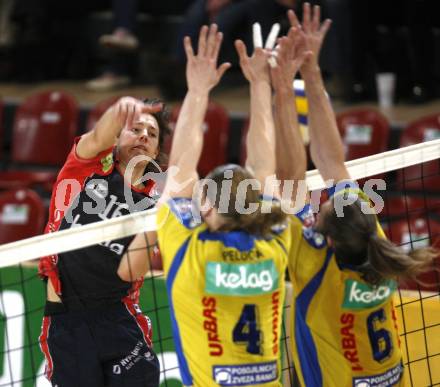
{"type": "Point", "coordinates": [349, 341]}
{"type": "Point", "coordinates": [245, 374]}
{"type": "Point", "coordinates": [275, 322]}
{"type": "Point", "coordinates": [388, 378]}
{"type": "Point", "coordinates": [241, 279]}
{"type": "Point", "coordinates": [359, 295]}
{"type": "Point", "coordinates": [210, 325]}
{"type": "Point", "coordinates": [107, 162]}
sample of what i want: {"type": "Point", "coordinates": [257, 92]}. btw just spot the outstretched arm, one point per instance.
{"type": "Point", "coordinates": [290, 153]}
{"type": "Point", "coordinates": [120, 115]}
{"type": "Point", "coordinates": [326, 147]}
{"type": "Point", "coordinates": [202, 74]}
{"type": "Point", "coordinates": [260, 140]}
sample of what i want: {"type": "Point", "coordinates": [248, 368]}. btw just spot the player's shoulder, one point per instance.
{"type": "Point", "coordinates": [181, 210]}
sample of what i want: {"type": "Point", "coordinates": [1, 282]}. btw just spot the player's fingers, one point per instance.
{"type": "Point", "coordinates": [130, 114]}
{"type": "Point", "coordinates": [152, 108]}
{"type": "Point", "coordinates": [294, 22]}
{"type": "Point", "coordinates": [272, 38]}
{"type": "Point", "coordinates": [188, 47]}
{"type": "Point", "coordinates": [241, 50]}
{"type": "Point", "coordinates": [201, 50]}
{"type": "Point", "coordinates": [292, 36]}
{"type": "Point", "coordinates": [325, 27]}
{"type": "Point", "coordinates": [288, 49]}
{"type": "Point", "coordinates": [122, 113]}
{"type": "Point", "coordinates": [316, 18]}
{"type": "Point", "coordinates": [117, 112]}
{"type": "Point", "coordinates": [222, 69]}
{"type": "Point", "coordinates": [211, 41]}
{"type": "Point", "coordinates": [260, 51]}
{"type": "Point", "coordinates": [125, 112]}
{"type": "Point", "coordinates": [306, 17]}
{"type": "Point", "coordinates": [272, 61]}
{"type": "Point", "coordinates": [137, 112]}
{"type": "Point", "coordinates": [258, 38]}
{"type": "Point", "coordinates": [218, 43]}
{"type": "Point", "coordinates": [295, 37]}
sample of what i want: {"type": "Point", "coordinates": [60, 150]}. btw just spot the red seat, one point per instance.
{"type": "Point", "coordinates": [407, 207]}
{"type": "Point", "coordinates": [417, 232]}
{"type": "Point", "coordinates": [44, 128]}
{"type": "Point", "coordinates": [424, 176]}
{"type": "Point", "coordinates": [1, 130]}
{"type": "Point", "coordinates": [215, 145]}
{"type": "Point", "coordinates": [98, 110]}
{"type": "Point", "coordinates": [364, 132]}
{"type": "Point", "coordinates": [22, 215]}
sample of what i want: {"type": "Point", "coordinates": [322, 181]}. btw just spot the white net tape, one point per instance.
{"type": "Point", "coordinates": [75, 238]}
{"type": "Point", "coordinates": [382, 162]}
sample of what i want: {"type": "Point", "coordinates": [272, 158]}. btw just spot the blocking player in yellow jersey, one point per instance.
{"type": "Point", "coordinates": [225, 269]}
{"type": "Point", "coordinates": [342, 268]}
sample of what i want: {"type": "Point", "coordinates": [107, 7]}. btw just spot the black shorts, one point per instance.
{"type": "Point", "coordinates": [100, 348]}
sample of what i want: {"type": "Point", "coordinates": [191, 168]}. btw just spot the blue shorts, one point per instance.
{"type": "Point", "coordinates": [108, 347]}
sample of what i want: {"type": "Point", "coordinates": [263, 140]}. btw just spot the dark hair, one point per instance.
{"type": "Point", "coordinates": [357, 245]}
{"type": "Point", "coordinates": [162, 117]}
{"type": "Point", "coordinates": [256, 222]}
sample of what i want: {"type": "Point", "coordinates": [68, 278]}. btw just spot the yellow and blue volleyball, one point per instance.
{"type": "Point", "coordinates": [302, 108]}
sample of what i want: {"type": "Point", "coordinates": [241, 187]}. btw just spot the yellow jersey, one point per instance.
{"type": "Point", "coordinates": [226, 294]}
{"type": "Point", "coordinates": [344, 330]}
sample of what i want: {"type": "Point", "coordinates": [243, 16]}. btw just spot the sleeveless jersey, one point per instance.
{"type": "Point", "coordinates": [226, 293]}
{"type": "Point", "coordinates": [344, 330]}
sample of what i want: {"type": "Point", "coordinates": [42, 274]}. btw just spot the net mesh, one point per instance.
{"type": "Point", "coordinates": [411, 218]}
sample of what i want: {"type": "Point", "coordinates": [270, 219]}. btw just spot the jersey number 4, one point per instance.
{"type": "Point", "coordinates": [246, 330]}
{"type": "Point", "coordinates": [380, 339]}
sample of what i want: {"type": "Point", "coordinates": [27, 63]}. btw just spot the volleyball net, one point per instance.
{"type": "Point", "coordinates": [410, 217]}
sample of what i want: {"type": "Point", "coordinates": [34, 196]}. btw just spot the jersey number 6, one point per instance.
{"type": "Point", "coordinates": [380, 339]}
{"type": "Point", "coordinates": [246, 330]}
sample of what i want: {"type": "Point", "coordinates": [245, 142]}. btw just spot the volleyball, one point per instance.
{"type": "Point", "coordinates": [302, 108]}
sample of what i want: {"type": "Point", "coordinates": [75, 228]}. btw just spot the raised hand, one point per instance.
{"type": "Point", "coordinates": [255, 68]}
{"type": "Point", "coordinates": [290, 53]}
{"type": "Point", "coordinates": [127, 109]}
{"type": "Point", "coordinates": [202, 73]}
{"type": "Point", "coordinates": [314, 32]}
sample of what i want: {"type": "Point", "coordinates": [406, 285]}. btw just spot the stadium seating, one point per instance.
{"type": "Point", "coordinates": [1, 130]}
{"type": "Point", "coordinates": [98, 110]}
{"type": "Point", "coordinates": [426, 176]}
{"type": "Point", "coordinates": [396, 207]}
{"type": "Point", "coordinates": [22, 215]}
{"type": "Point", "coordinates": [216, 129]}
{"type": "Point", "coordinates": [364, 132]}
{"type": "Point", "coordinates": [45, 125]}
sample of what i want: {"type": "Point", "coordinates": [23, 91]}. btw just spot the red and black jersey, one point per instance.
{"type": "Point", "coordinates": [88, 191]}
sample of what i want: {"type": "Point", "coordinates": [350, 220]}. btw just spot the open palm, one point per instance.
{"type": "Point", "coordinates": [314, 31]}
{"type": "Point", "coordinates": [202, 73]}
